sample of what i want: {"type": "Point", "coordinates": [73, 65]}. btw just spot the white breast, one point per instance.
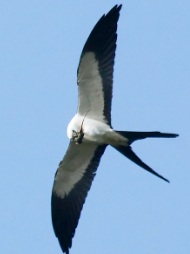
{"type": "Point", "coordinates": [94, 131]}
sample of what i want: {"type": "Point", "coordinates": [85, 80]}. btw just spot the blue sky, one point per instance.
{"type": "Point", "coordinates": [127, 210]}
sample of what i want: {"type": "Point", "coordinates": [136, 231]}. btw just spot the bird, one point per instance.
{"type": "Point", "coordinates": [90, 130]}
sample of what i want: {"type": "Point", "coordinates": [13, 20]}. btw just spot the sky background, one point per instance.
{"type": "Point", "coordinates": [127, 210]}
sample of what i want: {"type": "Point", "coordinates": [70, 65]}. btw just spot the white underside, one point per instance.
{"type": "Point", "coordinates": [73, 167]}
{"type": "Point", "coordinates": [90, 87]}
{"type": "Point", "coordinates": [78, 156]}
{"type": "Point", "coordinates": [94, 131]}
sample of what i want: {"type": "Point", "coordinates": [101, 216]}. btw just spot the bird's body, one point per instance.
{"type": "Point", "coordinates": [95, 131]}
{"type": "Point", "coordinates": [90, 130]}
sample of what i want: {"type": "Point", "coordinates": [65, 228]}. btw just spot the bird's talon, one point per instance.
{"type": "Point", "coordinates": [77, 137]}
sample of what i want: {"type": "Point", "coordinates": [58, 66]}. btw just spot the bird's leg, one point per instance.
{"type": "Point", "coordinates": [77, 137]}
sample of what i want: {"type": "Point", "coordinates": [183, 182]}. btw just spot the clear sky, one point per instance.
{"type": "Point", "coordinates": [127, 210]}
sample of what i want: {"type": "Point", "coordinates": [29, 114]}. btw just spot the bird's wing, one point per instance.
{"type": "Point", "coordinates": [95, 71]}
{"type": "Point", "coordinates": [72, 182]}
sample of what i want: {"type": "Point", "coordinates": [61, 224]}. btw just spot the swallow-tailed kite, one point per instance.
{"type": "Point", "coordinates": [90, 130]}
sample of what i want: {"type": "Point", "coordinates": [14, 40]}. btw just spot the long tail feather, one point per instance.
{"type": "Point", "coordinates": [128, 152]}
{"type": "Point", "coordinates": [136, 135]}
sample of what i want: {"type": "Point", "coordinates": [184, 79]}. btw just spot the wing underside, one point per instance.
{"type": "Point", "coordinates": [95, 71]}
{"type": "Point", "coordinates": [72, 183]}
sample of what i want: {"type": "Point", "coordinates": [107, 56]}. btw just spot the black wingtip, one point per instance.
{"type": "Point", "coordinates": [104, 33]}
{"type": "Point", "coordinates": [118, 7]}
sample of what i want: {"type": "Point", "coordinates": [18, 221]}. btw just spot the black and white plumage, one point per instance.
{"type": "Point", "coordinates": [90, 130]}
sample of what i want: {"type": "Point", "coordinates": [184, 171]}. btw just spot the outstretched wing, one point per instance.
{"type": "Point", "coordinates": [95, 71]}
{"type": "Point", "coordinates": [72, 182]}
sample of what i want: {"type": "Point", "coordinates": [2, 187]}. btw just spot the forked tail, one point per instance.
{"type": "Point", "coordinates": [137, 135]}
{"type": "Point", "coordinates": [133, 136]}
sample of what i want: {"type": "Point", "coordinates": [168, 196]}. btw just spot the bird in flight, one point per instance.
{"type": "Point", "coordinates": [90, 130]}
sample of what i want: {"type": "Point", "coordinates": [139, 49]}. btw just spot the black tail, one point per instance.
{"type": "Point", "coordinates": [136, 135]}
{"type": "Point", "coordinates": [133, 136]}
